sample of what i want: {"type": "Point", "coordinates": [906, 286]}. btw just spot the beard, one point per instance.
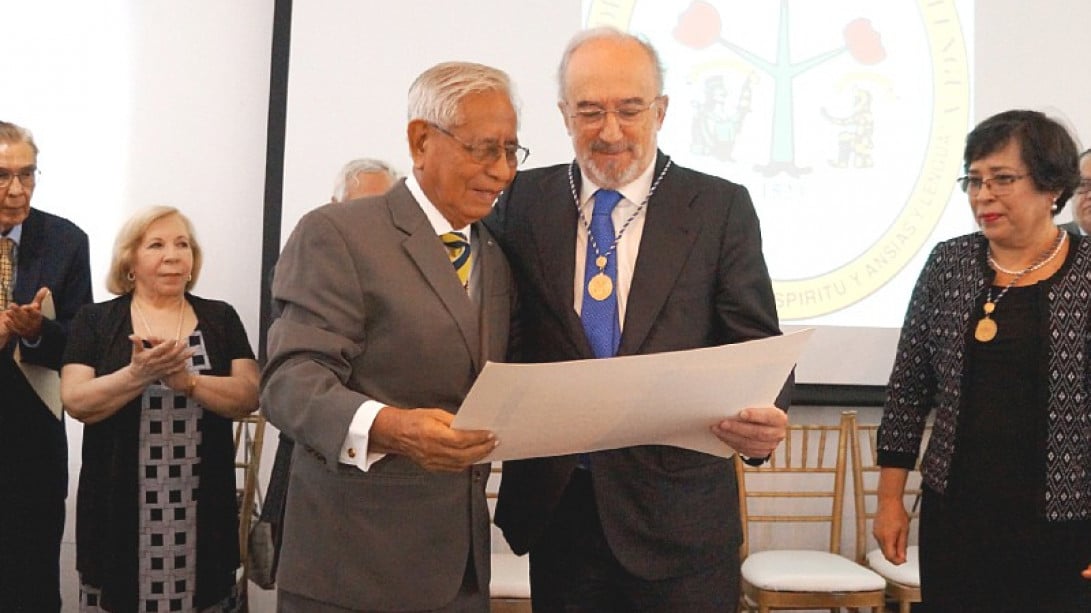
{"type": "Point", "coordinates": [612, 174]}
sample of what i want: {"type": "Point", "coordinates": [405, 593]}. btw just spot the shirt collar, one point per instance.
{"type": "Point", "coordinates": [439, 223]}
{"type": "Point", "coordinates": [16, 234]}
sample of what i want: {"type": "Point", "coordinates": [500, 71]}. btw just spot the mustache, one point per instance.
{"type": "Point", "coordinates": [611, 148]}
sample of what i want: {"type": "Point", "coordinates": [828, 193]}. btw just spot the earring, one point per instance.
{"type": "Point", "coordinates": [189, 277]}
{"type": "Point", "coordinates": [1054, 207]}
{"type": "Point", "coordinates": [130, 276]}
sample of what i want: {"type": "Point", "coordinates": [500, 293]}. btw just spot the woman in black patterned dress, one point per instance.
{"type": "Point", "coordinates": [157, 375]}
{"type": "Point", "coordinates": [997, 344]}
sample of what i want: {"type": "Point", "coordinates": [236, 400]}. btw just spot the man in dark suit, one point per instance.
{"type": "Point", "coordinates": [378, 341]}
{"type": "Point", "coordinates": [47, 255]}
{"type": "Point", "coordinates": [648, 528]}
{"type": "Point", "coordinates": [1081, 200]}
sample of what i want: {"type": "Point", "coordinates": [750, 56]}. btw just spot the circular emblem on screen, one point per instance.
{"type": "Point", "coordinates": [845, 121]}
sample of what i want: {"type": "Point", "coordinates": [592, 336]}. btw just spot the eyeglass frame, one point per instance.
{"type": "Point", "coordinates": [482, 153]}
{"type": "Point", "coordinates": [972, 185]}
{"type": "Point", "coordinates": [28, 177]}
{"type": "Point", "coordinates": [593, 118]}
{"type": "Point", "coordinates": [1083, 188]}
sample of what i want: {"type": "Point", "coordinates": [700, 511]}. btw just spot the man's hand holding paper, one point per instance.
{"type": "Point", "coordinates": [754, 432]}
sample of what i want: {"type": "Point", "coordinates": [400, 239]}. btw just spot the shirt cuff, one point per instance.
{"type": "Point", "coordinates": [354, 451]}
{"type": "Point", "coordinates": [897, 459]}
{"type": "Point", "coordinates": [30, 345]}
{"type": "Point", "coordinates": [753, 461]}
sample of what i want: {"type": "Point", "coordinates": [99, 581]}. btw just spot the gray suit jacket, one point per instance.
{"type": "Point", "coordinates": [371, 309]}
{"type": "Point", "coordinates": [700, 280]}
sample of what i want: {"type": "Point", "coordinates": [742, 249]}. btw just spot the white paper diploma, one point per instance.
{"type": "Point", "coordinates": [45, 381]}
{"type": "Point", "coordinates": [539, 410]}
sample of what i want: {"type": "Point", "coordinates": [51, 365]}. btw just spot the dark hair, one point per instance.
{"type": "Point", "coordinates": [1046, 147]}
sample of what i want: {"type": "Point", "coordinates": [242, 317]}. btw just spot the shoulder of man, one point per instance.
{"type": "Point", "coordinates": [690, 176]}
{"type": "Point", "coordinates": [50, 223]}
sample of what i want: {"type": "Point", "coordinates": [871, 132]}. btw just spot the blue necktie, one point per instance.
{"type": "Point", "coordinates": [600, 317]}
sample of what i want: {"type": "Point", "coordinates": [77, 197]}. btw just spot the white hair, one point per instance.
{"type": "Point", "coordinates": [435, 95]}
{"type": "Point", "coordinates": [347, 178]}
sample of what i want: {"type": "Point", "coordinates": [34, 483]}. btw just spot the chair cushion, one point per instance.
{"type": "Point", "coordinates": [808, 571]}
{"type": "Point", "coordinates": [908, 573]}
{"type": "Point", "coordinates": [510, 576]}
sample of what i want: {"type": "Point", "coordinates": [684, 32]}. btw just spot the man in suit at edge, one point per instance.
{"type": "Point", "coordinates": [378, 341]}
{"type": "Point", "coordinates": [648, 528]}
{"type": "Point", "coordinates": [48, 255]}
{"type": "Point", "coordinates": [1081, 200]}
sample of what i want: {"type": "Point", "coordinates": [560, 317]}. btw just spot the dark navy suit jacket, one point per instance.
{"type": "Point", "coordinates": [53, 253]}
{"type": "Point", "coordinates": [700, 280]}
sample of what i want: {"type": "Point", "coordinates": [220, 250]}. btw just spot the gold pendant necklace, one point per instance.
{"type": "Point", "coordinates": [600, 286]}
{"type": "Point", "coordinates": [986, 329]}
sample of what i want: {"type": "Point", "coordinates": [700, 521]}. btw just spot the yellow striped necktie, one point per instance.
{"type": "Point", "coordinates": [458, 250]}
{"type": "Point", "coordinates": [7, 270]}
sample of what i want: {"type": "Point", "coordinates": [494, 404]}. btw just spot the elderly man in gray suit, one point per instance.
{"type": "Point", "coordinates": [390, 306]}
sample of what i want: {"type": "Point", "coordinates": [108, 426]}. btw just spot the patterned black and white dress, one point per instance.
{"type": "Point", "coordinates": [156, 511]}
{"type": "Point", "coordinates": [169, 475]}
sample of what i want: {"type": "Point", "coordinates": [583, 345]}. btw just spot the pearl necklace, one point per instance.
{"type": "Point", "coordinates": [985, 330]}
{"type": "Point", "coordinates": [1056, 249]}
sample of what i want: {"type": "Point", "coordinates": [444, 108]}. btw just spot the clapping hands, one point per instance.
{"type": "Point", "coordinates": [156, 359]}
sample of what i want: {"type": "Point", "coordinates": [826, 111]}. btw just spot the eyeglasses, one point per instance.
{"type": "Point", "coordinates": [627, 114]}
{"type": "Point", "coordinates": [1084, 187]}
{"type": "Point", "coordinates": [998, 185]}
{"type": "Point", "coordinates": [27, 176]}
{"type": "Point", "coordinates": [488, 153]}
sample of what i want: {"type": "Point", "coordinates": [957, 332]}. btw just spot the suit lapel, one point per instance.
{"type": "Point", "coordinates": [670, 229]}
{"type": "Point", "coordinates": [29, 267]}
{"type": "Point", "coordinates": [490, 273]}
{"type": "Point", "coordinates": [553, 222]}
{"type": "Point", "coordinates": [424, 249]}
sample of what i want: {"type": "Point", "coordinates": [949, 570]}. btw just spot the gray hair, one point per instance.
{"type": "Point", "coordinates": [612, 33]}
{"type": "Point", "coordinates": [347, 176]}
{"type": "Point", "coordinates": [435, 95]}
{"type": "Point", "coordinates": [13, 133]}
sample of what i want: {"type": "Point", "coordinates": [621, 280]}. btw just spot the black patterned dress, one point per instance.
{"type": "Point", "coordinates": [156, 509]}
{"type": "Point", "coordinates": [984, 543]}
{"type": "Point", "coordinates": [169, 474]}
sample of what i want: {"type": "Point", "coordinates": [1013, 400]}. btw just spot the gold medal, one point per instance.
{"type": "Point", "coordinates": [600, 287]}
{"type": "Point", "coordinates": [986, 327]}
{"type": "Point", "coordinates": [986, 330]}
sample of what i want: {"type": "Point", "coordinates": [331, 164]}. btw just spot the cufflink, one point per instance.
{"type": "Point", "coordinates": [753, 461]}
{"type": "Point", "coordinates": [351, 453]}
